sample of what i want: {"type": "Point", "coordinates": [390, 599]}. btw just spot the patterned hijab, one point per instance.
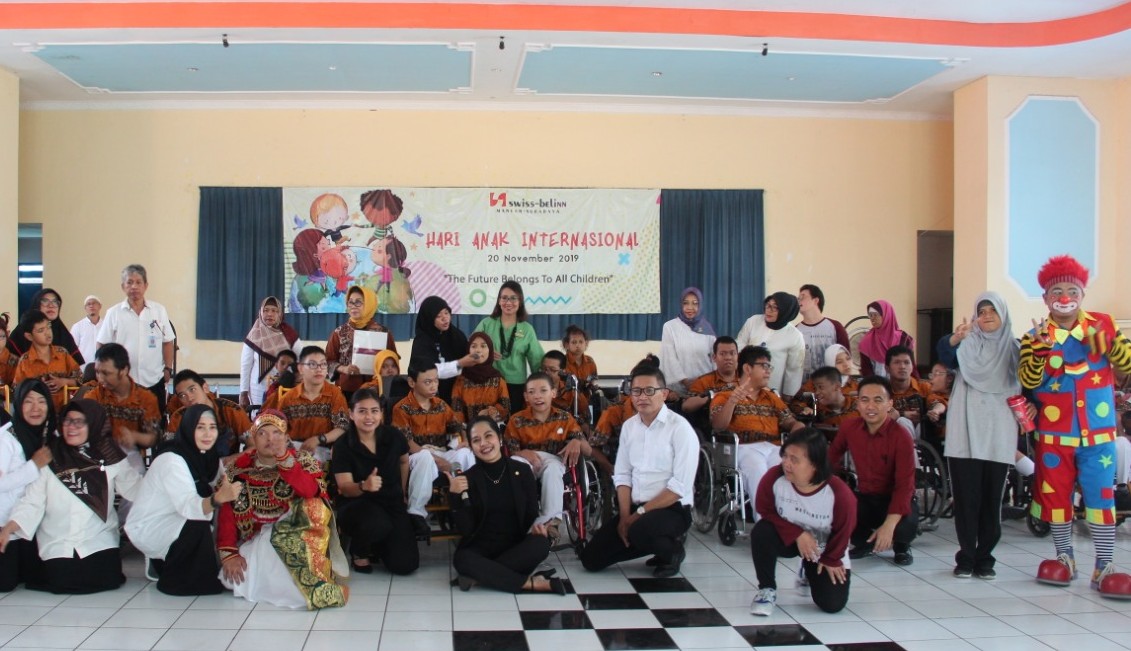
{"type": "Point", "coordinates": [268, 341]}
{"type": "Point", "coordinates": [699, 324]}
{"type": "Point", "coordinates": [82, 469]}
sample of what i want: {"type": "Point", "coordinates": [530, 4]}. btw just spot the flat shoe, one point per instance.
{"type": "Point", "coordinates": [361, 569]}
{"type": "Point", "coordinates": [557, 586]}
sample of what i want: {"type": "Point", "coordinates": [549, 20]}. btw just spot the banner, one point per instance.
{"type": "Point", "coordinates": [574, 251]}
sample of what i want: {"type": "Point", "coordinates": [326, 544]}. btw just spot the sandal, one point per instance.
{"type": "Point", "coordinates": [362, 569]}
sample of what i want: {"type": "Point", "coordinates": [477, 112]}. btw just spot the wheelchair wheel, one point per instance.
{"type": "Point", "coordinates": [703, 491]}
{"type": "Point", "coordinates": [582, 503]}
{"type": "Point", "coordinates": [728, 529]}
{"type": "Point", "coordinates": [932, 488]}
{"type": "Point", "coordinates": [1037, 526]}
{"type": "Point", "coordinates": [594, 499]}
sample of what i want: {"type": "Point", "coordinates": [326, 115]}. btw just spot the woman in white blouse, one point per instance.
{"type": "Point", "coordinates": [268, 337]}
{"type": "Point", "coordinates": [686, 343]}
{"type": "Point", "coordinates": [22, 454]}
{"type": "Point", "coordinates": [69, 508]}
{"type": "Point", "coordinates": [171, 523]}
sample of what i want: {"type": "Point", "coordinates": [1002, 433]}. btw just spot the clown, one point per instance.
{"type": "Point", "coordinates": [1067, 364]}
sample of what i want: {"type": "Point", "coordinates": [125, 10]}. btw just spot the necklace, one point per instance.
{"type": "Point", "coordinates": [493, 480]}
{"type": "Point", "coordinates": [506, 347]}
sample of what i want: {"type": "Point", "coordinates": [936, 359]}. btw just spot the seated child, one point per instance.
{"type": "Point", "coordinates": [569, 397]}
{"type": "Point", "coordinates": [575, 341]}
{"type": "Point", "coordinates": [433, 432]}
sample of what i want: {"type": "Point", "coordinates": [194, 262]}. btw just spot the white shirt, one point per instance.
{"type": "Point", "coordinates": [249, 373]}
{"type": "Point", "coordinates": [684, 353]}
{"type": "Point", "coordinates": [662, 455]}
{"type": "Point", "coordinates": [142, 335]}
{"type": "Point", "coordinates": [168, 499]}
{"type": "Point", "coordinates": [63, 524]}
{"type": "Point", "coordinates": [787, 352]}
{"type": "Point", "coordinates": [16, 472]}
{"type": "Point", "coordinates": [86, 338]}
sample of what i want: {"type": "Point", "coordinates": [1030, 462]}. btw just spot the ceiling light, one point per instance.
{"type": "Point", "coordinates": [333, 67]}
{"type": "Point", "coordinates": [193, 69]}
{"type": "Point", "coordinates": [657, 73]}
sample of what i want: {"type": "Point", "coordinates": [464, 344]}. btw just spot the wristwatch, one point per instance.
{"type": "Point", "coordinates": [640, 510]}
{"type": "Point", "coordinates": [322, 440]}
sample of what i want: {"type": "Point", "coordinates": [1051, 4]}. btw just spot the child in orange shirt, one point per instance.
{"type": "Point", "coordinates": [52, 364]}
{"type": "Point", "coordinates": [7, 364]}
{"type": "Point", "coordinates": [568, 398]}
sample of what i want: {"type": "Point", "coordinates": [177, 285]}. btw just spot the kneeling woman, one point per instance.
{"type": "Point", "coordinates": [370, 464]}
{"type": "Point", "coordinates": [808, 513]}
{"type": "Point", "coordinates": [278, 541]}
{"type": "Point", "coordinates": [69, 508]}
{"type": "Point", "coordinates": [501, 545]}
{"type": "Point", "coordinates": [171, 523]}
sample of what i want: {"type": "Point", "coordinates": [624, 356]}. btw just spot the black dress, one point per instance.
{"type": "Point", "coordinates": [496, 549]}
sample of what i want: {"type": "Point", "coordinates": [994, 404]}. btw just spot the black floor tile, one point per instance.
{"type": "Point", "coordinates": [685, 617]}
{"type": "Point", "coordinates": [611, 601]}
{"type": "Point", "coordinates": [489, 641]}
{"type": "Point", "coordinates": [554, 620]}
{"type": "Point", "coordinates": [776, 635]}
{"type": "Point", "coordinates": [635, 638]}
{"type": "Point", "coordinates": [662, 585]}
{"type": "Point", "coordinates": [866, 646]}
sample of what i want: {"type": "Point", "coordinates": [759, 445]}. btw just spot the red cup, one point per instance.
{"type": "Point", "coordinates": [1018, 405]}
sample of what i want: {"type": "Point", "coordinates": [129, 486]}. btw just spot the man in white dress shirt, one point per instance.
{"type": "Point", "coordinates": [654, 474]}
{"type": "Point", "coordinates": [85, 330]}
{"type": "Point", "coordinates": [142, 327]}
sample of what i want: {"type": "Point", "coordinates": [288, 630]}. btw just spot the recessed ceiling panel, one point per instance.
{"type": "Point", "coordinates": [262, 67]}
{"type": "Point", "coordinates": [740, 75]}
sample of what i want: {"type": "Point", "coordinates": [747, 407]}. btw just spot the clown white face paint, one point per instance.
{"type": "Point", "coordinates": [1063, 299]}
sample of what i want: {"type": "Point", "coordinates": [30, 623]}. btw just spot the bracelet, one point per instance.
{"type": "Point", "coordinates": [212, 500]}
{"type": "Point", "coordinates": [230, 557]}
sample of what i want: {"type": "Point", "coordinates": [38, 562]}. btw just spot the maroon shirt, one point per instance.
{"type": "Point", "coordinates": [841, 516]}
{"type": "Point", "coordinates": [885, 461]}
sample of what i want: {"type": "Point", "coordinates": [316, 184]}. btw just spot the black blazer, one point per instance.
{"type": "Point", "coordinates": [469, 519]}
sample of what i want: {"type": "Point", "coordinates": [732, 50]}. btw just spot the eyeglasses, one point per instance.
{"type": "Point", "coordinates": [645, 391]}
{"type": "Point", "coordinates": [355, 303]}
{"type": "Point", "coordinates": [74, 422]}
{"type": "Point", "coordinates": [316, 366]}
{"type": "Point", "coordinates": [50, 301]}
{"type": "Point", "coordinates": [771, 307]}
{"type": "Point", "coordinates": [508, 299]}
{"type": "Point", "coordinates": [766, 365]}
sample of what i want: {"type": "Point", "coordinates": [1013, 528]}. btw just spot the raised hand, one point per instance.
{"type": "Point", "coordinates": [456, 483]}
{"type": "Point", "coordinates": [1042, 332]}
{"type": "Point", "coordinates": [228, 491]}
{"type": "Point", "coordinates": [960, 332]}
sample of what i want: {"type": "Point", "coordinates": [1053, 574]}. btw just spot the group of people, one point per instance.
{"type": "Point", "coordinates": [345, 452]}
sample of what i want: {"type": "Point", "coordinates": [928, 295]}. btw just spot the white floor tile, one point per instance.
{"type": "Point", "coordinates": [807, 613]}
{"type": "Point", "coordinates": [212, 619]}
{"type": "Point", "coordinates": [902, 630]}
{"type": "Point", "coordinates": [1090, 642]}
{"type": "Point", "coordinates": [547, 602]}
{"type": "Point", "coordinates": [973, 627]}
{"type": "Point", "coordinates": [123, 639]}
{"type": "Point", "coordinates": [252, 640]}
{"type": "Point", "coordinates": [21, 615]}
{"type": "Point", "coordinates": [1006, 643]}
{"type": "Point", "coordinates": [143, 618]}
{"type": "Point", "coordinates": [343, 641]}
{"type": "Point", "coordinates": [482, 600]}
{"type": "Point", "coordinates": [845, 632]}
{"type": "Point", "coordinates": [415, 641]}
{"type": "Point", "coordinates": [1006, 607]}
{"type": "Point", "coordinates": [424, 621]}
{"type": "Point", "coordinates": [193, 639]}
{"type": "Point", "coordinates": [574, 640]}
{"type": "Point", "coordinates": [660, 600]}
{"type": "Point", "coordinates": [9, 631]}
{"type": "Point", "coordinates": [68, 616]}
{"type": "Point", "coordinates": [419, 603]}
{"type": "Point", "coordinates": [937, 645]}
{"type": "Point", "coordinates": [707, 637]}
{"type": "Point", "coordinates": [879, 610]}
{"type": "Point", "coordinates": [280, 621]}
{"type": "Point", "coordinates": [486, 620]}
{"type": "Point", "coordinates": [342, 619]}
{"type": "Point", "coordinates": [52, 637]}
{"type": "Point", "coordinates": [1043, 625]}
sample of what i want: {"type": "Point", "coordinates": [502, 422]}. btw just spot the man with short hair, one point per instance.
{"type": "Point", "coordinates": [833, 406]}
{"type": "Point", "coordinates": [911, 397]}
{"type": "Point", "coordinates": [85, 330]}
{"type": "Point", "coordinates": [819, 331]}
{"type": "Point", "coordinates": [135, 420]}
{"type": "Point", "coordinates": [756, 414]}
{"type": "Point", "coordinates": [724, 353]}
{"type": "Point", "coordinates": [654, 478]}
{"type": "Point", "coordinates": [232, 421]}
{"type": "Point", "coordinates": [316, 410]}
{"type": "Point", "coordinates": [887, 515]}
{"type": "Point", "coordinates": [141, 326]}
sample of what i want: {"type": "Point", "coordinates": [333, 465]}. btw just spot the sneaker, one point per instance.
{"type": "Point", "coordinates": [963, 572]}
{"type": "Point", "coordinates": [986, 574]}
{"type": "Point", "coordinates": [802, 579]}
{"type": "Point", "coordinates": [904, 558]}
{"type": "Point", "coordinates": [763, 604]}
{"type": "Point", "coordinates": [862, 551]}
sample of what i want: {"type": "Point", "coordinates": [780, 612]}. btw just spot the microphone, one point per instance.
{"type": "Point", "coordinates": [569, 379]}
{"type": "Point", "coordinates": [457, 471]}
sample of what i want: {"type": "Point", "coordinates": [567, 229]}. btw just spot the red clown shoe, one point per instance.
{"type": "Point", "coordinates": [1112, 584]}
{"type": "Point", "coordinates": [1058, 572]}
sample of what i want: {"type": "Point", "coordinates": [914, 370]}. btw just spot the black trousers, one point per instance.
{"type": "Point", "coordinates": [499, 564]}
{"type": "Point", "coordinates": [375, 532]}
{"type": "Point", "coordinates": [978, 487]}
{"type": "Point", "coordinates": [872, 510]}
{"type": "Point", "coordinates": [19, 564]}
{"type": "Point", "coordinates": [190, 566]}
{"type": "Point", "coordinates": [655, 532]}
{"type": "Point", "coordinates": [766, 547]}
{"type": "Point", "coordinates": [161, 392]}
{"type": "Point", "coordinates": [98, 572]}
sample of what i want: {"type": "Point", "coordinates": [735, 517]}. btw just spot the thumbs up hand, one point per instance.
{"type": "Point", "coordinates": [372, 483]}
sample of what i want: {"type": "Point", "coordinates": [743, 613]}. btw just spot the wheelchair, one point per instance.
{"type": "Point", "coordinates": [932, 486]}
{"type": "Point", "coordinates": [584, 503]}
{"type": "Point", "coordinates": [719, 493]}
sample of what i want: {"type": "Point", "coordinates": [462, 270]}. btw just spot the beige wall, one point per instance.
{"type": "Point", "coordinates": [9, 186]}
{"type": "Point", "coordinates": [980, 129]}
{"type": "Point", "coordinates": [844, 198]}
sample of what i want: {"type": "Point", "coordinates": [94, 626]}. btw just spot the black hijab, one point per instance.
{"type": "Point", "coordinates": [82, 468]}
{"type": "Point", "coordinates": [430, 344]}
{"type": "Point", "coordinates": [202, 464]}
{"type": "Point", "coordinates": [60, 336]}
{"type": "Point", "coordinates": [32, 437]}
{"type": "Point", "coordinates": [788, 309]}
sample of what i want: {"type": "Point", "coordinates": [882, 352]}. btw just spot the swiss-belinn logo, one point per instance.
{"type": "Point", "coordinates": [500, 198]}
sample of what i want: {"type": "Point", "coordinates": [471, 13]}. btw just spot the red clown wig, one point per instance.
{"type": "Point", "coordinates": [1062, 269]}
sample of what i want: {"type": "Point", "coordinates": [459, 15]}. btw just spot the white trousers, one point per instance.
{"type": "Point", "coordinates": [266, 579]}
{"type": "Point", "coordinates": [552, 477]}
{"type": "Point", "coordinates": [754, 459]}
{"type": "Point", "coordinates": [422, 471]}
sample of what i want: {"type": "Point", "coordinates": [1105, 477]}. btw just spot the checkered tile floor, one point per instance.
{"type": "Point", "coordinates": [921, 607]}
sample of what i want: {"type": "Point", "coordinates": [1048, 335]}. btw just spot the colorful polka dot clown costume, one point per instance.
{"type": "Point", "coordinates": [1067, 364]}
